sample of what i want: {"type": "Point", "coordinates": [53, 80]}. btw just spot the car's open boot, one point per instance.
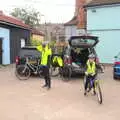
{"type": "Point", "coordinates": [79, 59]}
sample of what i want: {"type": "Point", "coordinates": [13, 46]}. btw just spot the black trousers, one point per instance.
{"type": "Point", "coordinates": [88, 80]}
{"type": "Point", "coordinates": [46, 75]}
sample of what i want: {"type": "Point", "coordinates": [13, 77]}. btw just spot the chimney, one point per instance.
{"type": "Point", "coordinates": [78, 4]}
{"type": "Point", "coordinates": [1, 12]}
{"type": "Point", "coordinates": [80, 13]}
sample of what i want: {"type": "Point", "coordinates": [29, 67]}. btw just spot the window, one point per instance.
{"type": "Point", "coordinates": [22, 42]}
{"type": "Point", "coordinates": [80, 41]}
{"type": "Point", "coordinates": [93, 10]}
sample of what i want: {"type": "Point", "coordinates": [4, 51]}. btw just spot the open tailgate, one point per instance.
{"type": "Point", "coordinates": [83, 41]}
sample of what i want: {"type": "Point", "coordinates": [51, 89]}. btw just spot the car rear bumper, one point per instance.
{"type": "Point", "coordinates": [116, 70]}
{"type": "Point", "coordinates": [78, 70]}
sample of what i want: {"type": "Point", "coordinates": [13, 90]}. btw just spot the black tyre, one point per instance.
{"type": "Point", "coordinates": [100, 68]}
{"type": "Point", "coordinates": [66, 73]}
{"type": "Point", "coordinates": [22, 72]}
{"type": "Point", "coordinates": [84, 81]}
{"type": "Point", "coordinates": [99, 93]}
{"type": "Point", "coordinates": [54, 71]}
{"type": "Point", "coordinates": [114, 77]}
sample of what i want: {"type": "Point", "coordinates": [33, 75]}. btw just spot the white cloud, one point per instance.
{"type": "Point", "coordinates": [54, 10]}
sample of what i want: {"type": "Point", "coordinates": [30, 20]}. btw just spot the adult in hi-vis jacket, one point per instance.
{"type": "Point", "coordinates": [46, 52]}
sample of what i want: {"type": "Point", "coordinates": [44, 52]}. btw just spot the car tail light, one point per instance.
{"type": "Point", "coordinates": [117, 63]}
{"type": "Point", "coordinates": [68, 60]}
{"type": "Point", "coordinates": [17, 59]}
{"type": "Point", "coordinates": [97, 60]}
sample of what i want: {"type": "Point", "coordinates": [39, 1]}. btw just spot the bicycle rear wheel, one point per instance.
{"type": "Point", "coordinates": [99, 93]}
{"type": "Point", "coordinates": [66, 73]}
{"type": "Point", "coordinates": [22, 72]}
{"type": "Point", "coordinates": [54, 71]}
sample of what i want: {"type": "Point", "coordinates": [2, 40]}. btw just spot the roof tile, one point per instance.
{"type": "Point", "coordinates": [14, 21]}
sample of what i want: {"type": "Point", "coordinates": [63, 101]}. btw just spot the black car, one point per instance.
{"type": "Point", "coordinates": [27, 51]}
{"type": "Point", "coordinates": [76, 53]}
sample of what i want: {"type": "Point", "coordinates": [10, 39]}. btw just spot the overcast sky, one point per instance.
{"type": "Point", "coordinates": [54, 10]}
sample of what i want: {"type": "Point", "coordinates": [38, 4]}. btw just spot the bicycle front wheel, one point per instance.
{"type": "Point", "coordinates": [22, 72]}
{"type": "Point", "coordinates": [99, 93]}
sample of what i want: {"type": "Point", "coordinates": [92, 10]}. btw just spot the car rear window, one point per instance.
{"type": "Point", "coordinates": [29, 52]}
{"type": "Point", "coordinates": [81, 41]}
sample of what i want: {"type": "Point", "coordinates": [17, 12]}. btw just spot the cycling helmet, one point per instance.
{"type": "Point", "coordinates": [91, 56]}
{"type": "Point", "coordinates": [44, 43]}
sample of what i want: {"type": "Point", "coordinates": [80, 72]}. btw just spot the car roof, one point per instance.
{"type": "Point", "coordinates": [29, 47]}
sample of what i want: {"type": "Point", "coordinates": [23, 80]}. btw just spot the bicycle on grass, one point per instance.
{"type": "Point", "coordinates": [23, 72]}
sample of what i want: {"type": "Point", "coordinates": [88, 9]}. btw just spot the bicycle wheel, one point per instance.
{"type": "Point", "coordinates": [54, 71]}
{"type": "Point", "coordinates": [101, 68]}
{"type": "Point", "coordinates": [66, 73]}
{"type": "Point", "coordinates": [22, 72]}
{"type": "Point", "coordinates": [98, 92]}
{"type": "Point", "coordinates": [84, 81]}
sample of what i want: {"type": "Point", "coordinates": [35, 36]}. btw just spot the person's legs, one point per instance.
{"type": "Point", "coordinates": [86, 84]}
{"type": "Point", "coordinates": [44, 74]}
{"type": "Point", "coordinates": [47, 77]}
{"type": "Point", "coordinates": [93, 77]}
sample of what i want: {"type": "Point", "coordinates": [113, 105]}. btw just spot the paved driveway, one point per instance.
{"type": "Point", "coordinates": [26, 100]}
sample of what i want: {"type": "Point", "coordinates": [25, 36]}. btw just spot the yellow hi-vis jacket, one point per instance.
{"type": "Point", "coordinates": [45, 53]}
{"type": "Point", "coordinates": [58, 59]}
{"type": "Point", "coordinates": [91, 69]}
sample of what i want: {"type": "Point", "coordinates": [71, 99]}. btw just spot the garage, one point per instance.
{"type": "Point", "coordinates": [4, 46]}
{"type": "Point", "coordinates": [14, 35]}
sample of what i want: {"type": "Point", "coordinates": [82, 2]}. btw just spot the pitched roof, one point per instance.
{"type": "Point", "coordinates": [102, 2]}
{"type": "Point", "coordinates": [37, 32]}
{"type": "Point", "coordinates": [12, 21]}
{"type": "Point", "coordinates": [73, 21]}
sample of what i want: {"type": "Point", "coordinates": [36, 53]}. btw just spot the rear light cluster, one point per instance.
{"type": "Point", "coordinates": [68, 60]}
{"type": "Point", "coordinates": [97, 60]}
{"type": "Point", "coordinates": [117, 63]}
{"type": "Point", "coordinates": [17, 60]}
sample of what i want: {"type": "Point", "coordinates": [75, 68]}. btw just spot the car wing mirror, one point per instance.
{"type": "Point", "coordinates": [115, 56]}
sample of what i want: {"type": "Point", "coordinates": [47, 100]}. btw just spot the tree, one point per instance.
{"type": "Point", "coordinates": [35, 42]}
{"type": "Point", "coordinates": [29, 16]}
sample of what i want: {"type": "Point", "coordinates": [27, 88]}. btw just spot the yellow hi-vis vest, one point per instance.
{"type": "Point", "coordinates": [91, 69]}
{"type": "Point", "coordinates": [58, 60]}
{"type": "Point", "coordinates": [45, 53]}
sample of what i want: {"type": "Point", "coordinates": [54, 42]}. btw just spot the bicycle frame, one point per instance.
{"type": "Point", "coordinates": [31, 66]}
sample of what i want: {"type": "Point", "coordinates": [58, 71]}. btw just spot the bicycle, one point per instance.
{"type": "Point", "coordinates": [101, 68]}
{"type": "Point", "coordinates": [23, 72]}
{"type": "Point", "coordinates": [95, 83]}
{"type": "Point", "coordinates": [64, 72]}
